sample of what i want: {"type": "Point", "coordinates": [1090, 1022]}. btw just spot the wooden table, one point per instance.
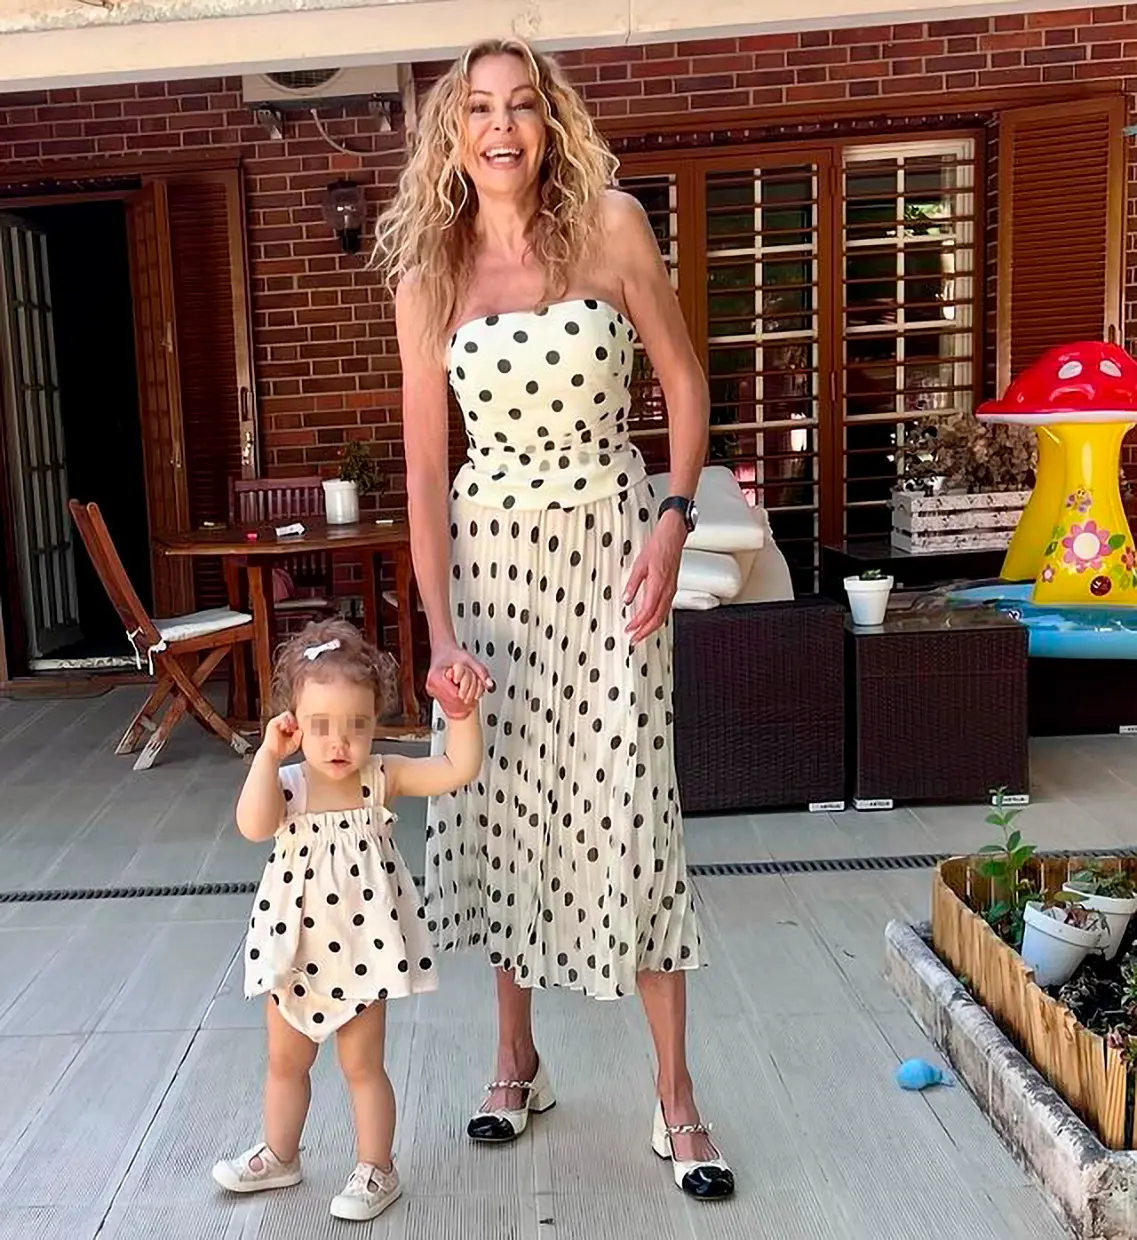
{"type": "Point", "coordinates": [369, 541]}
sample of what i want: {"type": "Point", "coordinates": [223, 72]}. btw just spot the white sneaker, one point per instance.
{"type": "Point", "coordinates": [367, 1193]}
{"type": "Point", "coordinates": [239, 1175]}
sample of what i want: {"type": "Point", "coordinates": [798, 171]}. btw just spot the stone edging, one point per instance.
{"type": "Point", "coordinates": [1094, 1188]}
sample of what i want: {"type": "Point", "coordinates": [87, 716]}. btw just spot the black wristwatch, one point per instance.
{"type": "Point", "coordinates": [686, 509]}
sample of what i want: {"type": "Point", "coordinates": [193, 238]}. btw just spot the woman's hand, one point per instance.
{"type": "Point", "coordinates": [456, 680]}
{"type": "Point", "coordinates": [654, 578]}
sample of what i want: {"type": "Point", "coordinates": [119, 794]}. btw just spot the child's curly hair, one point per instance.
{"type": "Point", "coordinates": [355, 659]}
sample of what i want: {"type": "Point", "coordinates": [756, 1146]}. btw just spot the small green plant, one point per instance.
{"type": "Point", "coordinates": [1098, 881]}
{"type": "Point", "coordinates": [1003, 864]}
{"type": "Point", "coordinates": [872, 574]}
{"type": "Point", "coordinates": [357, 466]}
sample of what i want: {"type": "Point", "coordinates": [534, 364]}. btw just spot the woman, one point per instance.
{"type": "Point", "coordinates": [522, 279]}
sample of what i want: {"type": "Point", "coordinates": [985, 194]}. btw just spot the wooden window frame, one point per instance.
{"type": "Point", "coordinates": [689, 167]}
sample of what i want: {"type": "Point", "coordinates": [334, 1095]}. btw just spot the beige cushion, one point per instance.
{"type": "Point", "coordinates": [200, 623]}
{"type": "Point", "coordinates": [705, 572]}
{"type": "Point", "coordinates": [693, 600]}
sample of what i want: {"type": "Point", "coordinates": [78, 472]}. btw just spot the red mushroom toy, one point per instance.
{"type": "Point", "coordinates": [1086, 394]}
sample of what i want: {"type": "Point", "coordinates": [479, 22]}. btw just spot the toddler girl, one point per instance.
{"type": "Point", "coordinates": [336, 927]}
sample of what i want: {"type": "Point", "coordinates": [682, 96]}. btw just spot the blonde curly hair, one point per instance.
{"type": "Point", "coordinates": [428, 229]}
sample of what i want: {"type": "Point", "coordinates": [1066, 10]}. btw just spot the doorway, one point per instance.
{"type": "Point", "coordinates": [126, 379]}
{"type": "Point", "coordinates": [92, 332]}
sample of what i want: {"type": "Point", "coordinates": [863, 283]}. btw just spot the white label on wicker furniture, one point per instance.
{"type": "Point", "coordinates": [826, 807]}
{"type": "Point", "coordinates": [1014, 798]}
{"type": "Point", "coordinates": [872, 803]}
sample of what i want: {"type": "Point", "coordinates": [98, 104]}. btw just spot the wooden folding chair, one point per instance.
{"type": "Point", "coordinates": [280, 501]}
{"type": "Point", "coordinates": [182, 653]}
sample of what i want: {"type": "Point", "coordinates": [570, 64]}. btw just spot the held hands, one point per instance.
{"type": "Point", "coordinates": [654, 578]}
{"type": "Point", "coordinates": [456, 680]}
{"type": "Point", "coordinates": [282, 736]}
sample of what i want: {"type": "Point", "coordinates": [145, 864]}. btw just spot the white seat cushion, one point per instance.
{"type": "Point", "coordinates": [200, 623]}
{"type": "Point", "coordinates": [692, 600]}
{"type": "Point", "coordinates": [705, 572]}
{"type": "Point", "coordinates": [726, 520]}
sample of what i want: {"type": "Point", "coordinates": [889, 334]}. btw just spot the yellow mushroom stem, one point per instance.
{"type": "Point", "coordinates": [1023, 561]}
{"type": "Point", "coordinates": [1089, 557]}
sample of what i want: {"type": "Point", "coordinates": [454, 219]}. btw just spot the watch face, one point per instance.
{"type": "Point", "coordinates": [693, 515]}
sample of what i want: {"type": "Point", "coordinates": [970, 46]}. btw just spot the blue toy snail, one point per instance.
{"type": "Point", "coordinates": [919, 1074]}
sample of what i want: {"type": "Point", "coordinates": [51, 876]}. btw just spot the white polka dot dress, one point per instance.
{"type": "Point", "coordinates": [336, 922]}
{"type": "Point", "coordinates": [565, 859]}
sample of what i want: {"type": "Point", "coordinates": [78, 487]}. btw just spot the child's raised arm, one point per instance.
{"type": "Point", "coordinates": [260, 807]}
{"type": "Point", "coordinates": [434, 777]}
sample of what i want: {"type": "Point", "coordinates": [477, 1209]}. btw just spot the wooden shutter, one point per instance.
{"type": "Point", "coordinates": [159, 391]}
{"type": "Point", "coordinates": [206, 222]}
{"type": "Point", "coordinates": [1060, 231]}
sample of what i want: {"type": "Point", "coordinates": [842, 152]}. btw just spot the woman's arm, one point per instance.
{"type": "Point", "coordinates": [433, 777]}
{"type": "Point", "coordinates": [425, 443]}
{"type": "Point", "coordinates": [425, 416]}
{"type": "Point", "coordinates": [654, 310]}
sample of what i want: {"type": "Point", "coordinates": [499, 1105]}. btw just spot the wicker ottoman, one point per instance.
{"type": "Point", "coordinates": [938, 708]}
{"type": "Point", "coordinates": [759, 706]}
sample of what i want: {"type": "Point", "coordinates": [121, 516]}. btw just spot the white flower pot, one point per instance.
{"type": "Point", "coordinates": [341, 502]}
{"type": "Point", "coordinates": [1116, 914]}
{"type": "Point", "coordinates": [1052, 948]}
{"type": "Point", "coordinates": [868, 600]}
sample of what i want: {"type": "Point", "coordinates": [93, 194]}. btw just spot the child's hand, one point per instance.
{"type": "Point", "coordinates": [468, 685]}
{"type": "Point", "coordinates": [282, 736]}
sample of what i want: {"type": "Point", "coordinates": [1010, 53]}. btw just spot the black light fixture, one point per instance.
{"type": "Point", "coordinates": [345, 212]}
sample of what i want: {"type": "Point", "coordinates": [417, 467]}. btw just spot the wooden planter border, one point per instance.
{"type": "Point", "coordinates": [1088, 1073]}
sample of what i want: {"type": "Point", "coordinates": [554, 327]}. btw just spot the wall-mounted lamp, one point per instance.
{"type": "Point", "coordinates": [345, 212]}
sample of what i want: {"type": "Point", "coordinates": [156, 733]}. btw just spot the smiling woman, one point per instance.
{"type": "Point", "coordinates": [523, 280]}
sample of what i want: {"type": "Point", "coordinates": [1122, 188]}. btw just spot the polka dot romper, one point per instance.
{"type": "Point", "coordinates": [336, 923]}
{"type": "Point", "coordinates": [565, 859]}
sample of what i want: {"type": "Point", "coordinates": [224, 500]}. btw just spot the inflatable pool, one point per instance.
{"type": "Point", "coordinates": [1079, 632]}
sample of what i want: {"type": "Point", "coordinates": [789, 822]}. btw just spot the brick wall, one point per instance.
{"type": "Point", "coordinates": [325, 357]}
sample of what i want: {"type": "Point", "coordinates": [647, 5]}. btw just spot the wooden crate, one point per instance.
{"type": "Point", "coordinates": [1089, 1074]}
{"type": "Point", "coordinates": [953, 521]}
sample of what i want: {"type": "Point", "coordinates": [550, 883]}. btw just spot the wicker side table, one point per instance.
{"type": "Point", "coordinates": [759, 707]}
{"type": "Point", "coordinates": [938, 708]}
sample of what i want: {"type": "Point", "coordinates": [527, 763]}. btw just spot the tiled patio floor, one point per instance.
{"type": "Point", "coordinates": [129, 1059]}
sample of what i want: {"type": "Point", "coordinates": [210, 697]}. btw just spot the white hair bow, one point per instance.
{"type": "Point", "coordinates": [314, 652]}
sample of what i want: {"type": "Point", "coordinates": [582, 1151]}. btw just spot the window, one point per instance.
{"type": "Point", "coordinates": [830, 293]}
{"type": "Point", "coordinates": [908, 262]}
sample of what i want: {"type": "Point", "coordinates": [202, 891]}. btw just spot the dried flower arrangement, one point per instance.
{"type": "Point", "coordinates": [957, 452]}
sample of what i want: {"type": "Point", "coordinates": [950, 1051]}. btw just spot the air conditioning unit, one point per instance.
{"type": "Point", "coordinates": [309, 88]}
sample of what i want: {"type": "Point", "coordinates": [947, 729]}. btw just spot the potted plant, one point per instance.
{"type": "Point", "coordinates": [358, 475]}
{"type": "Point", "coordinates": [868, 596]}
{"type": "Point", "coordinates": [1004, 864]}
{"type": "Point", "coordinates": [1058, 934]}
{"type": "Point", "coordinates": [1113, 894]}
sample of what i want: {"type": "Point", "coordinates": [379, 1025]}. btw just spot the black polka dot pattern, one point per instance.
{"type": "Point", "coordinates": [546, 406]}
{"type": "Point", "coordinates": [313, 938]}
{"type": "Point", "coordinates": [564, 861]}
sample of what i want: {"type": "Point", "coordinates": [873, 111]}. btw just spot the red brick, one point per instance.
{"type": "Point", "coordinates": [863, 69]}
{"type": "Point", "coordinates": [1010, 21]}
{"type": "Point", "coordinates": [768, 43]}
{"type": "Point", "coordinates": [817, 92]}
{"type": "Point", "coordinates": [708, 47]}
{"type": "Point", "coordinates": [818, 56]}
{"type": "Point", "coordinates": [863, 90]}
{"type": "Point", "coordinates": [815, 38]}
{"type": "Point", "coordinates": [1105, 51]}
{"type": "Point", "coordinates": [1058, 73]}
{"type": "Point", "coordinates": [1010, 77]}
{"type": "Point", "coordinates": [1006, 60]}
{"type": "Point", "coordinates": [661, 68]}
{"type": "Point", "coordinates": [913, 30]}
{"type": "Point", "coordinates": [767, 78]}
{"type": "Point", "coordinates": [1054, 55]}
{"type": "Point", "coordinates": [657, 107]}
{"type": "Point", "coordinates": [1060, 38]}
{"type": "Point", "coordinates": [1060, 17]}
{"type": "Point", "coordinates": [961, 81]}
{"type": "Point", "coordinates": [688, 86]}
{"type": "Point", "coordinates": [949, 64]}
{"type": "Point", "coordinates": [921, 85]}
{"type": "Point", "coordinates": [974, 25]}
{"type": "Point", "coordinates": [1011, 39]}
{"type": "Point", "coordinates": [867, 51]}
{"type": "Point", "coordinates": [863, 34]}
